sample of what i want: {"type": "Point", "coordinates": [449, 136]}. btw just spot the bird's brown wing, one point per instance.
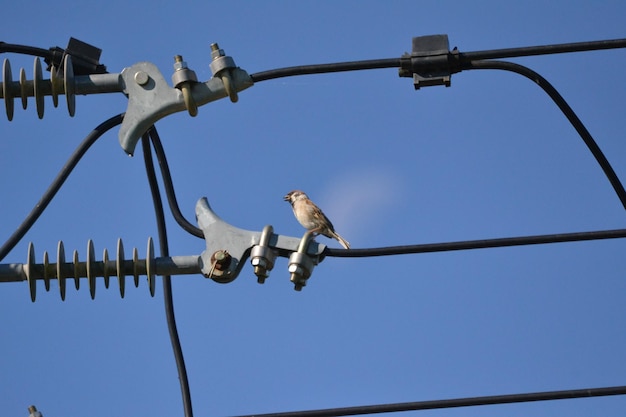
{"type": "Point", "coordinates": [325, 225]}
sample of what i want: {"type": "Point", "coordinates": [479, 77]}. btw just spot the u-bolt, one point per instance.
{"type": "Point", "coordinates": [300, 264]}
{"type": "Point", "coordinates": [182, 79]}
{"type": "Point", "coordinates": [220, 66]}
{"type": "Point", "coordinates": [262, 256]}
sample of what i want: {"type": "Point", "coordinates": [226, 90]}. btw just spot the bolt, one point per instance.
{"type": "Point", "coordinates": [261, 273]}
{"type": "Point", "coordinates": [179, 64]}
{"type": "Point", "coordinates": [142, 78]}
{"type": "Point", "coordinates": [221, 259]}
{"type": "Point", "coordinates": [260, 269]}
{"type": "Point", "coordinates": [216, 52]}
{"type": "Point", "coordinates": [296, 277]}
{"type": "Point", "coordinates": [182, 79]}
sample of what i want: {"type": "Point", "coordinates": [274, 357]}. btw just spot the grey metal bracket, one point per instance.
{"type": "Point", "coordinates": [227, 247]}
{"type": "Point", "coordinates": [150, 98]}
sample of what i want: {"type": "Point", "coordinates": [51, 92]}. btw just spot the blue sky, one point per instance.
{"type": "Point", "coordinates": [489, 157]}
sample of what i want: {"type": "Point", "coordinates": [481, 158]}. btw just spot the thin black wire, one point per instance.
{"type": "Point", "coordinates": [169, 186]}
{"type": "Point", "coordinates": [477, 244]}
{"type": "Point", "coordinates": [46, 198]}
{"type": "Point", "coordinates": [167, 282]}
{"type": "Point", "coordinates": [453, 403]}
{"type": "Point", "coordinates": [567, 111]}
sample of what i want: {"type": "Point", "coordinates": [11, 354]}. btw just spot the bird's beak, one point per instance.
{"type": "Point", "coordinates": [287, 197]}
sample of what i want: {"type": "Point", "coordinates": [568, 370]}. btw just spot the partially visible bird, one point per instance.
{"type": "Point", "coordinates": [311, 217]}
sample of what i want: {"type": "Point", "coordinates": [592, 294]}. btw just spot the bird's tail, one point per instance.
{"type": "Point", "coordinates": [341, 240]}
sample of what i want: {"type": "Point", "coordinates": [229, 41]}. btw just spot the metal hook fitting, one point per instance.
{"type": "Point", "coordinates": [182, 79]}
{"type": "Point", "coordinates": [262, 256]}
{"type": "Point", "coordinates": [220, 67]}
{"type": "Point", "coordinates": [300, 264]}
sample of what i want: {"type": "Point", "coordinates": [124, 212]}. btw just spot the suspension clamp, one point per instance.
{"type": "Point", "coordinates": [227, 247]}
{"type": "Point", "coordinates": [430, 62]}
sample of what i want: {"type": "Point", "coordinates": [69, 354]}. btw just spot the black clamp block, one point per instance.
{"type": "Point", "coordinates": [430, 62]}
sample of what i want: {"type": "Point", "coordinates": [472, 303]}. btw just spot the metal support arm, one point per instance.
{"type": "Point", "coordinates": [150, 98]}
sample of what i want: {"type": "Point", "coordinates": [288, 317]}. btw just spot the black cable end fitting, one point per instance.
{"type": "Point", "coordinates": [430, 62]}
{"type": "Point", "coordinates": [85, 57]}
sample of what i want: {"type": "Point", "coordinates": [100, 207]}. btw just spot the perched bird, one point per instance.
{"type": "Point", "coordinates": [311, 217]}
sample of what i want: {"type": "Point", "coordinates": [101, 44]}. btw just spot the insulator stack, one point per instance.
{"type": "Point", "coordinates": [90, 269]}
{"type": "Point", "coordinates": [59, 83]}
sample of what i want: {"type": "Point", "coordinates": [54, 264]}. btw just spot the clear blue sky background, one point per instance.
{"type": "Point", "coordinates": [489, 157]}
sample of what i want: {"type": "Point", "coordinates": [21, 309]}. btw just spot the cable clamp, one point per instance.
{"type": "Point", "coordinates": [227, 248]}
{"type": "Point", "coordinates": [430, 62]}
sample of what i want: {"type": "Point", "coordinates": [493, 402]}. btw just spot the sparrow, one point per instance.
{"type": "Point", "coordinates": [311, 217]}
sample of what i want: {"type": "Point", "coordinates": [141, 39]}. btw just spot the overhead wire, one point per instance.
{"type": "Point", "coordinates": [25, 50]}
{"type": "Point", "coordinates": [325, 68]}
{"type": "Point", "coordinates": [476, 244]}
{"type": "Point", "coordinates": [169, 186]}
{"type": "Point", "coordinates": [463, 56]}
{"type": "Point", "coordinates": [56, 184]}
{"type": "Point", "coordinates": [458, 61]}
{"type": "Point", "coordinates": [560, 48]}
{"type": "Point", "coordinates": [453, 403]}
{"type": "Point", "coordinates": [167, 282]}
{"type": "Point", "coordinates": [567, 111]}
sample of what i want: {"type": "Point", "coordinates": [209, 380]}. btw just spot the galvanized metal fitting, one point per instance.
{"type": "Point", "coordinates": [262, 256]}
{"type": "Point", "coordinates": [221, 65]}
{"type": "Point", "coordinates": [219, 60]}
{"type": "Point", "coordinates": [182, 79]}
{"type": "Point", "coordinates": [221, 236]}
{"type": "Point", "coordinates": [182, 73]}
{"type": "Point", "coordinates": [220, 260]}
{"type": "Point", "coordinates": [300, 264]}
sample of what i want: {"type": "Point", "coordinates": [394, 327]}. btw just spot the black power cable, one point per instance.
{"type": "Point", "coordinates": [544, 49]}
{"type": "Point", "coordinates": [567, 111]}
{"type": "Point", "coordinates": [32, 217]}
{"type": "Point", "coordinates": [453, 403]}
{"type": "Point", "coordinates": [169, 186]}
{"type": "Point", "coordinates": [26, 50]}
{"type": "Point", "coordinates": [325, 68]}
{"type": "Point", "coordinates": [167, 282]}
{"type": "Point", "coordinates": [477, 244]}
{"type": "Point", "coordinates": [462, 56]}
{"type": "Point", "coordinates": [457, 62]}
